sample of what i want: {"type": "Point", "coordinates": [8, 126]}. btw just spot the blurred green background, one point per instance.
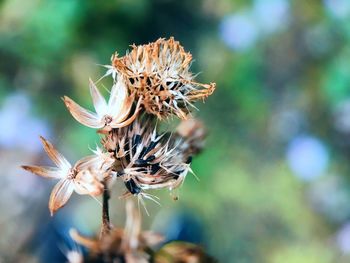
{"type": "Point", "coordinates": [274, 178]}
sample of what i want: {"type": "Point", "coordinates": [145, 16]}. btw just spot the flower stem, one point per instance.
{"type": "Point", "coordinates": [106, 226]}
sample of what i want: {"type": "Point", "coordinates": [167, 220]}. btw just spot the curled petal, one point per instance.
{"type": "Point", "coordinates": [88, 162]}
{"type": "Point", "coordinates": [117, 124]}
{"type": "Point", "coordinates": [48, 172]}
{"type": "Point", "coordinates": [98, 100]}
{"type": "Point", "coordinates": [87, 183]}
{"type": "Point", "coordinates": [100, 162]}
{"type": "Point", "coordinates": [118, 98]}
{"type": "Point", "coordinates": [82, 115]}
{"type": "Point", "coordinates": [126, 108]}
{"type": "Point", "coordinates": [60, 195]}
{"type": "Point", "coordinates": [54, 155]}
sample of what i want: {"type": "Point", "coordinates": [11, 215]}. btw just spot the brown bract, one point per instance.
{"type": "Point", "coordinates": [159, 73]}
{"type": "Point", "coordinates": [147, 159]}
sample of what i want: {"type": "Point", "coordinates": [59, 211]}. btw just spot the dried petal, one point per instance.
{"type": "Point", "coordinates": [119, 94]}
{"type": "Point", "coordinates": [54, 155]}
{"type": "Point", "coordinates": [60, 195]}
{"type": "Point", "coordinates": [98, 100]}
{"type": "Point", "coordinates": [112, 115]}
{"type": "Point", "coordinates": [44, 171]}
{"type": "Point", "coordinates": [82, 115]}
{"type": "Point", "coordinates": [119, 123]}
{"type": "Point", "coordinates": [87, 183]}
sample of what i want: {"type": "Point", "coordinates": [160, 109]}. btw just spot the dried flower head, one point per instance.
{"type": "Point", "coordinates": [82, 178]}
{"type": "Point", "coordinates": [193, 133]}
{"type": "Point", "coordinates": [129, 244]}
{"type": "Point", "coordinates": [145, 159]}
{"type": "Point", "coordinates": [114, 114]}
{"type": "Point", "coordinates": [182, 252]}
{"type": "Point", "coordinates": [159, 73]}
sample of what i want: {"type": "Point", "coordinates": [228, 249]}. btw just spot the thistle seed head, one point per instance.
{"type": "Point", "coordinates": [159, 74]}
{"type": "Point", "coordinates": [146, 159]}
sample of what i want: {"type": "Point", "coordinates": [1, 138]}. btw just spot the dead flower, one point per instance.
{"type": "Point", "coordinates": [114, 114]}
{"type": "Point", "coordinates": [192, 133]}
{"type": "Point", "coordinates": [182, 252]}
{"type": "Point", "coordinates": [129, 244]}
{"type": "Point", "coordinates": [159, 73]}
{"type": "Point", "coordinates": [80, 178]}
{"type": "Point", "coordinates": [145, 159]}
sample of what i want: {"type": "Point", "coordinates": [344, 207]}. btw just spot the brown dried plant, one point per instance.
{"type": "Point", "coordinates": [159, 74]}
{"type": "Point", "coordinates": [84, 177]}
{"type": "Point", "coordinates": [147, 160]}
{"type": "Point", "coordinates": [129, 243]}
{"type": "Point", "coordinates": [151, 82]}
{"type": "Point", "coordinates": [114, 114]}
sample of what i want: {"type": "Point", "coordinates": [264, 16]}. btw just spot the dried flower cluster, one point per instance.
{"type": "Point", "coordinates": [151, 82]}
{"type": "Point", "coordinates": [127, 244]}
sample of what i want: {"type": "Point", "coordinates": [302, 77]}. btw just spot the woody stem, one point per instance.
{"type": "Point", "coordinates": [106, 226]}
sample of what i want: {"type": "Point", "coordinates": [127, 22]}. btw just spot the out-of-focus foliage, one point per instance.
{"type": "Point", "coordinates": [274, 177]}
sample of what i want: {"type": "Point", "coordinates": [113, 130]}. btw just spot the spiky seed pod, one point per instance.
{"type": "Point", "coordinates": [159, 73]}
{"type": "Point", "coordinates": [145, 159]}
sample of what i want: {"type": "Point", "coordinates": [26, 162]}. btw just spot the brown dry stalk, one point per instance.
{"type": "Point", "coordinates": [106, 225]}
